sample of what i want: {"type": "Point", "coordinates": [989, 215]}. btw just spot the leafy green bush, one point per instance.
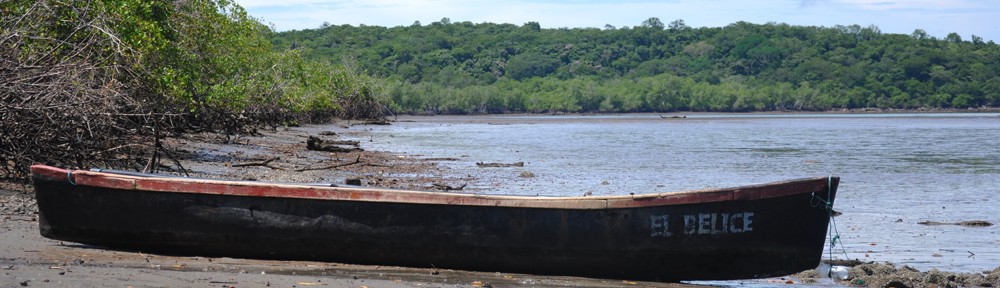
{"type": "Point", "coordinates": [91, 83]}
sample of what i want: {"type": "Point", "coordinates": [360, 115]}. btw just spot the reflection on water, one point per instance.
{"type": "Point", "coordinates": [896, 169]}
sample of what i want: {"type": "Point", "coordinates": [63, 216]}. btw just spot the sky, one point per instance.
{"type": "Point", "coordinates": [937, 17]}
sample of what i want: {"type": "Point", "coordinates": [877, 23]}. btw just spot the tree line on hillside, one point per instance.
{"type": "Point", "coordinates": [99, 83]}
{"type": "Point", "coordinates": [461, 67]}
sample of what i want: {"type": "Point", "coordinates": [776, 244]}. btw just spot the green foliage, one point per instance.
{"type": "Point", "coordinates": [531, 64]}
{"type": "Point", "coordinates": [84, 82]}
{"type": "Point", "coordinates": [460, 67]}
{"type": "Point", "coordinates": [215, 58]}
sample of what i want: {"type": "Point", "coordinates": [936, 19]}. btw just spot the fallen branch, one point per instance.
{"type": "Point", "coordinates": [172, 158]}
{"type": "Point", "coordinates": [344, 142]}
{"type": "Point", "coordinates": [447, 187]}
{"type": "Point", "coordinates": [515, 164]}
{"type": "Point", "coordinates": [356, 161]}
{"type": "Point", "coordinates": [317, 144]}
{"type": "Point", "coordinates": [974, 223]}
{"type": "Point", "coordinates": [672, 117]}
{"type": "Point", "coordinates": [265, 163]}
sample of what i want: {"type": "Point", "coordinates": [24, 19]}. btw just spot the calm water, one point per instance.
{"type": "Point", "coordinates": [896, 170]}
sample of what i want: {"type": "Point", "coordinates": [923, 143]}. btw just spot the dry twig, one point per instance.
{"type": "Point", "coordinates": [356, 161]}
{"type": "Point", "coordinates": [265, 163]}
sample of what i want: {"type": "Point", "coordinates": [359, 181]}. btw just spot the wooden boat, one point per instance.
{"type": "Point", "coordinates": [746, 232]}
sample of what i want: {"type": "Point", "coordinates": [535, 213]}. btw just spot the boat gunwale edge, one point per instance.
{"type": "Point", "coordinates": [367, 194]}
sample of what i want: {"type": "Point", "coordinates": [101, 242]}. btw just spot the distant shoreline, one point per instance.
{"type": "Point", "coordinates": [680, 113]}
{"type": "Point", "coordinates": [920, 110]}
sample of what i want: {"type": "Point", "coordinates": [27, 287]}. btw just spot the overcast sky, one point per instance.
{"type": "Point", "coordinates": [937, 17]}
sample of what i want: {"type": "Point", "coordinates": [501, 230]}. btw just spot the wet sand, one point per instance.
{"type": "Point", "coordinates": [33, 261]}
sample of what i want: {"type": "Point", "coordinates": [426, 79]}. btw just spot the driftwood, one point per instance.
{"type": "Point", "coordinates": [440, 159]}
{"type": "Point", "coordinates": [447, 187]}
{"type": "Point", "coordinates": [515, 164]}
{"type": "Point", "coordinates": [316, 144]}
{"type": "Point", "coordinates": [265, 163]}
{"type": "Point", "coordinates": [356, 161]}
{"type": "Point", "coordinates": [343, 142]}
{"type": "Point", "coordinates": [673, 117]}
{"type": "Point", "coordinates": [975, 223]}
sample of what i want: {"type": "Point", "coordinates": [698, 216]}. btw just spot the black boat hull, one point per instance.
{"type": "Point", "coordinates": [739, 239]}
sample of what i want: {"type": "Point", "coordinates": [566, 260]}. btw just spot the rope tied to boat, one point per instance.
{"type": "Point", "coordinates": [833, 232]}
{"type": "Point", "coordinates": [69, 176]}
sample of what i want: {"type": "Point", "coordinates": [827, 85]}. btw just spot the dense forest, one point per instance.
{"type": "Point", "coordinates": [461, 67]}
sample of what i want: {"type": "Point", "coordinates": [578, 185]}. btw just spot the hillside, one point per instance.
{"type": "Point", "coordinates": [462, 67]}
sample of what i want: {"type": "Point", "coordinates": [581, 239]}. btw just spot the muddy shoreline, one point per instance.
{"type": "Point", "coordinates": [281, 156]}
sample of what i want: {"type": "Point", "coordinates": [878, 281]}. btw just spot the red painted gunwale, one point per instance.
{"type": "Point", "coordinates": [265, 189]}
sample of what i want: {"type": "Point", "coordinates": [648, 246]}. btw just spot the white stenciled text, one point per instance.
{"type": "Point", "coordinates": [703, 224]}
{"type": "Point", "coordinates": [660, 225]}
{"type": "Point", "coordinates": [718, 223]}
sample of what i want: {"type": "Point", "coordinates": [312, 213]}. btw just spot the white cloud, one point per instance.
{"type": "Point", "coordinates": [937, 17]}
{"type": "Point", "coordinates": [885, 5]}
